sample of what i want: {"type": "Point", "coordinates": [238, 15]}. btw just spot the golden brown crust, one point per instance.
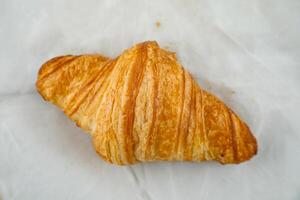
{"type": "Point", "coordinates": [144, 106]}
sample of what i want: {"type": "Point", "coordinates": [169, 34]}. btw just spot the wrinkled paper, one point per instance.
{"type": "Point", "coordinates": [245, 52]}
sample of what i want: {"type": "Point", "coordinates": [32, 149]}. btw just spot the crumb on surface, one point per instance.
{"type": "Point", "coordinates": [157, 24]}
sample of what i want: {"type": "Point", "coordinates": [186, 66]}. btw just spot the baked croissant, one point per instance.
{"type": "Point", "coordinates": [144, 106]}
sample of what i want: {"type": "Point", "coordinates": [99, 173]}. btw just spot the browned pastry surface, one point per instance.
{"type": "Point", "coordinates": [144, 106]}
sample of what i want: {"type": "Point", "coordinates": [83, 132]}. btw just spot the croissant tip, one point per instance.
{"type": "Point", "coordinates": [251, 149]}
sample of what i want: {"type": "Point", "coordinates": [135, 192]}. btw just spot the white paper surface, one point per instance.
{"type": "Point", "coordinates": [245, 52]}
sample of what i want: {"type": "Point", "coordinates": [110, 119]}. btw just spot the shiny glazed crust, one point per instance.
{"type": "Point", "coordinates": [144, 106]}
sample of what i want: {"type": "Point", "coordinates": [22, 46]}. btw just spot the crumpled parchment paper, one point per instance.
{"type": "Point", "coordinates": [245, 52]}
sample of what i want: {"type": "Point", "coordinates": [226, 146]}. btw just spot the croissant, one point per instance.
{"type": "Point", "coordinates": [144, 106]}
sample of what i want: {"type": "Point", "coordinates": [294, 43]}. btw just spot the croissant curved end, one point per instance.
{"type": "Point", "coordinates": [244, 145]}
